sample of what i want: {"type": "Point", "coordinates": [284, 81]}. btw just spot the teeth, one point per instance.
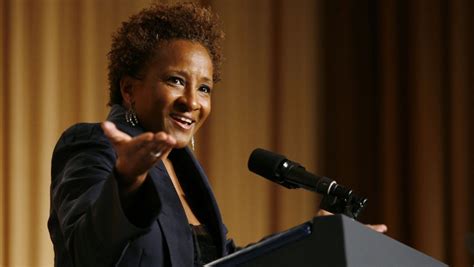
{"type": "Point", "coordinates": [183, 119]}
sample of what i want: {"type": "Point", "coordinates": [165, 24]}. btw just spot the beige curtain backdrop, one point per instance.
{"type": "Point", "coordinates": [377, 95]}
{"type": "Point", "coordinates": [54, 74]}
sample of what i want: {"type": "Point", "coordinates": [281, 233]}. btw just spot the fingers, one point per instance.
{"type": "Point", "coordinates": [322, 212]}
{"type": "Point", "coordinates": [163, 144]}
{"type": "Point", "coordinates": [157, 142]}
{"type": "Point", "coordinates": [114, 134]}
{"type": "Point", "coordinates": [147, 148]}
{"type": "Point", "coordinates": [161, 141]}
{"type": "Point", "coordinates": [381, 228]}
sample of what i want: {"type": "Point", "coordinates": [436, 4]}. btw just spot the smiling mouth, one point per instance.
{"type": "Point", "coordinates": [183, 121]}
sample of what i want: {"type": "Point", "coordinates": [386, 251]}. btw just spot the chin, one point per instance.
{"type": "Point", "coordinates": [182, 142]}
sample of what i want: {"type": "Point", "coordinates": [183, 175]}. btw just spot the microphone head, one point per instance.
{"type": "Point", "coordinates": [265, 163]}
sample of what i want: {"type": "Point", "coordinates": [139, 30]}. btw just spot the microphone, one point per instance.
{"type": "Point", "coordinates": [289, 174]}
{"type": "Point", "coordinates": [277, 168]}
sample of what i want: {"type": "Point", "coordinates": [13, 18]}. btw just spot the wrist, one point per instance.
{"type": "Point", "coordinates": [126, 184]}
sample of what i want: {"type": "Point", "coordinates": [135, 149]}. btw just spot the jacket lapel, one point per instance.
{"type": "Point", "coordinates": [172, 219]}
{"type": "Point", "coordinates": [199, 192]}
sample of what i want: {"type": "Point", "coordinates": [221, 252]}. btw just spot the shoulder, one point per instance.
{"type": "Point", "coordinates": [82, 131]}
{"type": "Point", "coordinates": [82, 134]}
{"type": "Point", "coordinates": [82, 138]}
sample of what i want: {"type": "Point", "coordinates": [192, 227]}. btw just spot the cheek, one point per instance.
{"type": "Point", "coordinates": [206, 109]}
{"type": "Point", "coordinates": [160, 102]}
{"type": "Point", "coordinates": [153, 110]}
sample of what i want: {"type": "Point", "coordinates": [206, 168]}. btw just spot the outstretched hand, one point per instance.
{"type": "Point", "coordinates": [136, 155]}
{"type": "Point", "coordinates": [381, 228]}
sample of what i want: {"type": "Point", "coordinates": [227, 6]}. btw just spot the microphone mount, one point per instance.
{"type": "Point", "coordinates": [343, 201]}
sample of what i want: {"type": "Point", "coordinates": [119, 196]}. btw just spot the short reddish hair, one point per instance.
{"type": "Point", "coordinates": [134, 43]}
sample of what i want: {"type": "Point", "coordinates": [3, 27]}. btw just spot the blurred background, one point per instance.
{"type": "Point", "coordinates": [375, 94]}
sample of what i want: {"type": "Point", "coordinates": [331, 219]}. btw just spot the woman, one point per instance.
{"type": "Point", "coordinates": [129, 192]}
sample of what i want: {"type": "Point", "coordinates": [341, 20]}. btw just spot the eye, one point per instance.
{"type": "Point", "coordinates": [205, 89]}
{"type": "Point", "coordinates": [176, 80]}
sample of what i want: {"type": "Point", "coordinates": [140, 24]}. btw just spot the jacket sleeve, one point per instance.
{"type": "Point", "coordinates": [86, 201]}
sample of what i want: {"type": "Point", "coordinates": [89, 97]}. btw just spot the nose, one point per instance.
{"type": "Point", "coordinates": [188, 101]}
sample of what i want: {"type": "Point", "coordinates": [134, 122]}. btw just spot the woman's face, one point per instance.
{"type": "Point", "coordinates": [174, 95]}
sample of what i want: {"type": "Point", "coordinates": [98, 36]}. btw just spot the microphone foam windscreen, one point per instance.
{"type": "Point", "coordinates": [265, 163]}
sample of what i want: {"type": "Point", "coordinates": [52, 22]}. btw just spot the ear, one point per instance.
{"type": "Point", "coordinates": [126, 89]}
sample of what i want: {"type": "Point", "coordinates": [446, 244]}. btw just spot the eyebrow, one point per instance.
{"type": "Point", "coordinates": [207, 80]}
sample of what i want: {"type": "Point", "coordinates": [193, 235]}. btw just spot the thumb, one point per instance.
{"type": "Point", "coordinates": [114, 134]}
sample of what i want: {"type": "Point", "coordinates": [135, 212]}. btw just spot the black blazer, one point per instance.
{"type": "Point", "coordinates": [87, 224]}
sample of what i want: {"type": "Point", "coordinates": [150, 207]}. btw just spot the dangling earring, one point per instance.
{"type": "Point", "coordinates": [192, 142]}
{"type": "Point", "coordinates": [131, 116]}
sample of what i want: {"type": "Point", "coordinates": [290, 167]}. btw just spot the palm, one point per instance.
{"type": "Point", "coordinates": [135, 155]}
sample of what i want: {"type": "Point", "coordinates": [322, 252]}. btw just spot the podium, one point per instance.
{"type": "Point", "coordinates": [328, 241]}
